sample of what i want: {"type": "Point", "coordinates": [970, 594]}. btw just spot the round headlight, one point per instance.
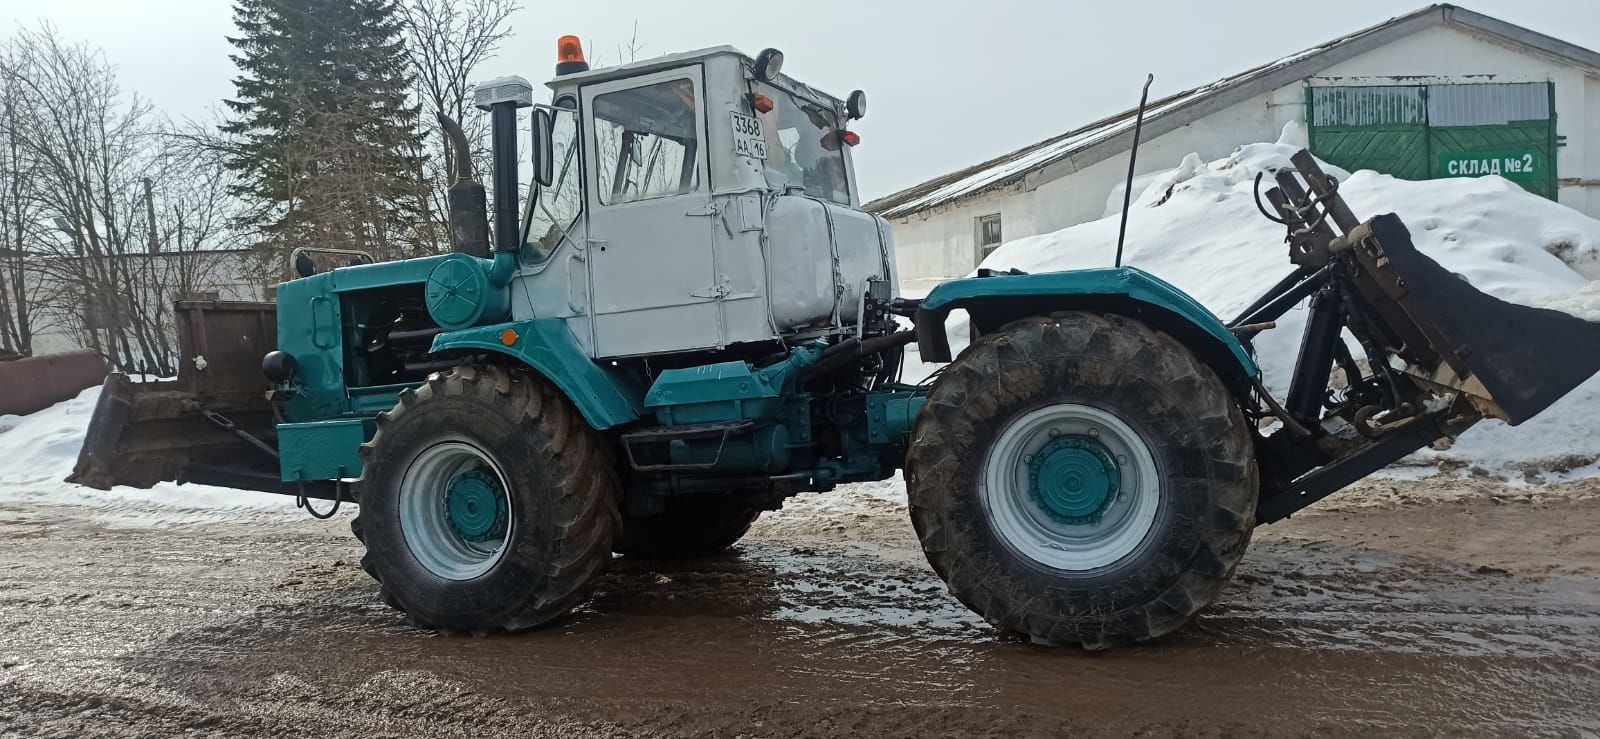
{"type": "Point", "coordinates": [769, 63]}
{"type": "Point", "coordinates": [856, 105]}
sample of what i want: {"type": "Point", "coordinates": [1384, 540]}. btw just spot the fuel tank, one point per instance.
{"type": "Point", "coordinates": [819, 257]}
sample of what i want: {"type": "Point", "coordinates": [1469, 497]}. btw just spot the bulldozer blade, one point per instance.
{"type": "Point", "coordinates": [145, 433]}
{"type": "Point", "coordinates": [1513, 359]}
{"type": "Point", "coordinates": [106, 427]}
{"type": "Point", "coordinates": [142, 434]}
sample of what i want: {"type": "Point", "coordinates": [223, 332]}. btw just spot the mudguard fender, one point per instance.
{"type": "Point", "coordinates": [546, 345]}
{"type": "Point", "coordinates": [995, 301]}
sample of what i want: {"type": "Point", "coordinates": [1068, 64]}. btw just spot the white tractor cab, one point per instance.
{"type": "Point", "coordinates": [695, 201]}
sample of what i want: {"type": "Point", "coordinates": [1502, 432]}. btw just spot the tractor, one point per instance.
{"type": "Point", "coordinates": [689, 320]}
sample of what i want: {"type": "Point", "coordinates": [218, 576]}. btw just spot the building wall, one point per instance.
{"type": "Point", "coordinates": [941, 242]}
{"type": "Point", "coordinates": [58, 326]}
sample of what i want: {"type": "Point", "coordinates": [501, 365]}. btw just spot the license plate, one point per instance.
{"type": "Point", "coordinates": [748, 140]}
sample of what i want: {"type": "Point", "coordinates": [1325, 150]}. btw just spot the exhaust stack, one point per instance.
{"type": "Point", "coordinates": [469, 205]}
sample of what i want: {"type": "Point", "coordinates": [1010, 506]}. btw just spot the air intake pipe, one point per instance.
{"type": "Point", "coordinates": [502, 97]}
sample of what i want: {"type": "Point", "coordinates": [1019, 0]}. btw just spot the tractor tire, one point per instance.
{"type": "Point", "coordinates": [487, 504]}
{"type": "Point", "coordinates": [694, 526]}
{"type": "Point", "coordinates": [1082, 478]}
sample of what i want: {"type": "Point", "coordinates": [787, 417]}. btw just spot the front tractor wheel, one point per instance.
{"type": "Point", "coordinates": [1082, 478]}
{"type": "Point", "coordinates": [487, 504]}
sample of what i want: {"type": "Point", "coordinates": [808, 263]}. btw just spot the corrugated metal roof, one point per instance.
{"type": "Point", "coordinates": [1373, 105]}
{"type": "Point", "coordinates": [1488, 105]}
{"type": "Point", "coordinates": [1185, 107]}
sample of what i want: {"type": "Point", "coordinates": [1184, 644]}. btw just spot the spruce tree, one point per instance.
{"type": "Point", "coordinates": [327, 143]}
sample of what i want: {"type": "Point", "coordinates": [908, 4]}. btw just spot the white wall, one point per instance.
{"type": "Point", "coordinates": [941, 242]}
{"type": "Point", "coordinates": [944, 241]}
{"type": "Point", "coordinates": [58, 327]}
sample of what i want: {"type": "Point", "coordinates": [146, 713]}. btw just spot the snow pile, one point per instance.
{"type": "Point", "coordinates": [37, 452]}
{"type": "Point", "coordinates": [1197, 227]}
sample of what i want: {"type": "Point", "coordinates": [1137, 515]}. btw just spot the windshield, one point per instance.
{"type": "Point", "coordinates": [555, 209]}
{"type": "Point", "coordinates": [803, 146]}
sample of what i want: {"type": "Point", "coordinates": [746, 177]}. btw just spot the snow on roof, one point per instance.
{"type": "Point", "coordinates": [1182, 108]}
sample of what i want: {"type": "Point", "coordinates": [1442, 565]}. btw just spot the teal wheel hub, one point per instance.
{"type": "Point", "coordinates": [1071, 487]}
{"type": "Point", "coordinates": [475, 506]}
{"type": "Point", "coordinates": [455, 512]}
{"type": "Point", "coordinates": [1074, 479]}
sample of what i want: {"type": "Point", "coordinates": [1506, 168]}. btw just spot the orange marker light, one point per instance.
{"type": "Point", "coordinates": [762, 103]}
{"type": "Point", "coordinates": [569, 49]}
{"type": "Point", "coordinates": [508, 337]}
{"type": "Point", "coordinates": [569, 56]}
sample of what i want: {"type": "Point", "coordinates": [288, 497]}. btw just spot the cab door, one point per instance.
{"type": "Point", "coordinates": [653, 287]}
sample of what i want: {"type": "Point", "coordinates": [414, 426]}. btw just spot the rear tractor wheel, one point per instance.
{"type": "Point", "coordinates": [1082, 478]}
{"type": "Point", "coordinates": [487, 503]}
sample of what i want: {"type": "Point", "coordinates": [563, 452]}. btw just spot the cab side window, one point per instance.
{"type": "Point", "coordinates": [647, 142]}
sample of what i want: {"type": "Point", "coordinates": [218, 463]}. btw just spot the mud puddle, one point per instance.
{"type": "Point", "coordinates": [1460, 618]}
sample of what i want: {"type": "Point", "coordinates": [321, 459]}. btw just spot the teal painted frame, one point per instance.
{"type": "Point", "coordinates": [312, 328]}
{"type": "Point", "coordinates": [322, 450]}
{"type": "Point", "coordinates": [1076, 285]}
{"type": "Point", "coordinates": [547, 345]}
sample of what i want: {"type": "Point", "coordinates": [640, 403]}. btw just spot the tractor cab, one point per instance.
{"type": "Point", "coordinates": [695, 201]}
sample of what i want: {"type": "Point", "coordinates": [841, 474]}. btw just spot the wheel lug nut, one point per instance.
{"type": "Point", "coordinates": [1122, 459]}
{"type": "Point", "coordinates": [1094, 433]}
{"type": "Point", "coordinates": [1054, 433]}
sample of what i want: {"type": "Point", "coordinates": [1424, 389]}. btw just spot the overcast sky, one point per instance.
{"type": "Point", "coordinates": [950, 83]}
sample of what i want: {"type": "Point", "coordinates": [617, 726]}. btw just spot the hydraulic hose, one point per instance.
{"type": "Point", "coordinates": [849, 350]}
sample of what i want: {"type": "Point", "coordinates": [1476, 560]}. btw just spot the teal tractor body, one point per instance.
{"type": "Point", "coordinates": [690, 320]}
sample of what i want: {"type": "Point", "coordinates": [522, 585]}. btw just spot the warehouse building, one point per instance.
{"type": "Point", "coordinates": [1441, 92]}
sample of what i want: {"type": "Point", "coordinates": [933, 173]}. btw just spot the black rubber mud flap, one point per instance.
{"type": "Point", "coordinates": [1527, 358]}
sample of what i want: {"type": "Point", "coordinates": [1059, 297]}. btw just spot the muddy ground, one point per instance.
{"type": "Point", "coordinates": [1395, 614]}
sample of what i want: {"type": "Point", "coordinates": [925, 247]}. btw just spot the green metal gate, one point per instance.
{"type": "Point", "coordinates": [1419, 132]}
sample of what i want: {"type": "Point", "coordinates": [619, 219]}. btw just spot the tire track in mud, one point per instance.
{"type": "Point", "coordinates": [1427, 619]}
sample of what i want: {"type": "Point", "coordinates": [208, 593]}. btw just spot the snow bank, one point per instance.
{"type": "Point", "coordinates": [1197, 227]}
{"type": "Point", "coordinates": [37, 452]}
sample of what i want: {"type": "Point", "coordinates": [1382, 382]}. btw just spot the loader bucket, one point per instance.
{"type": "Point", "coordinates": [144, 433]}
{"type": "Point", "coordinates": [1514, 359]}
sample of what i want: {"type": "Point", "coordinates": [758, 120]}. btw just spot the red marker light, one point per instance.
{"type": "Point", "coordinates": [850, 137]}
{"type": "Point", "coordinates": [762, 103]}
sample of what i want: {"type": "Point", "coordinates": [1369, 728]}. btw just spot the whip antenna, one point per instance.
{"type": "Point", "coordinates": [1133, 158]}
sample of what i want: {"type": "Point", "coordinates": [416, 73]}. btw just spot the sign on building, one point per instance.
{"type": "Point", "coordinates": [1420, 132]}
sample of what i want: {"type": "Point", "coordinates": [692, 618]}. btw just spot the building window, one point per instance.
{"type": "Point", "coordinates": [988, 235]}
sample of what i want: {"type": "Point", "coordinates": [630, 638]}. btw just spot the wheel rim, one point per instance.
{"type": "Point", "coordinates": [454, 510]}
{"type": "Point", "coordinates": [1071, 487]}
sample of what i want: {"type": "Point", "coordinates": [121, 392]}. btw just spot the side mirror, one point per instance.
{"type": "Point", "coordinates": [544, 158]}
